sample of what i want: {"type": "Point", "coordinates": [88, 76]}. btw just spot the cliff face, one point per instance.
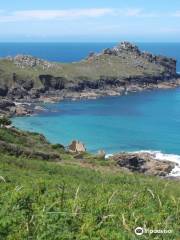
{"type": "Point", "coordinates": [120, 67]}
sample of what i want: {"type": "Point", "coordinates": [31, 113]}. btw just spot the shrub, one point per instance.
{"type": "Point", "coordinates": [4, 121]}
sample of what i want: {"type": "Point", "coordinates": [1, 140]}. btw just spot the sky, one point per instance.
{"type": "Point", "coordinates": [90, 21]}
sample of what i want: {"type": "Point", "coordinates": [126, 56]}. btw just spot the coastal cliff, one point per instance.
{"type": "Point", "coordinates": [115, 71]}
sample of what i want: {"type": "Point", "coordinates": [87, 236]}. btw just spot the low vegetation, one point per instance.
{"type": "Point", "coordinates": [4, 121]}
{"type": "Point", "coordinates": [78, 196]}
{"type": "Point", "coordinates": [96, 67]}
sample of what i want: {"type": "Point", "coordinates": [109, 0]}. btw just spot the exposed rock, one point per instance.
{"type": "Point", "coordinates": [51, 82]}
{"type": "Point", "coordinates": [128, 47]}
{"type": "Point", "coordinates": [4, 103]}
{"type": "Point", "coordinates": [169, 64]}
{"type": "Point", "coordinates": [28, 61]}
{"type": "Point", "coordinates": [76, 147]}
{"type": "Point", "coordinates": [7, 107]}
{"type": "Point", "coordinates": [17, 93]}
{"type": "Point", "coordinates": [26, 84]}
{"type": "Point", "coordinates": [123, 47]}
{"type": "Point", "coordinates": [91, 54]}
{"type": "Point", "coordinates": [110, 51]}
{"type": "Point", "coordinates": [144, 163]}
{"type": "Point", "coordinates": [101, 154]}
{"type": "Point", "coordinates": [36, 93]}
{"type": "Point", "coordinates": [22, 110]}
{"type": "Point", "coordinates": [3, 90]}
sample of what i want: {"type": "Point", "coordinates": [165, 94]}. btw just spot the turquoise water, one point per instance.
{"type": "Point", "coordinates": [140, 121]}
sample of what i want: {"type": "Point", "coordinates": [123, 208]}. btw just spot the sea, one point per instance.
{"type": "Point", "coordinates": [146, 121]}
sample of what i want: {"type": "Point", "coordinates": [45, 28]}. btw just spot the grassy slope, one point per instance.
{"type": "Point", "coordinates": [102, 65]}
{"type": "Point", "coordinates": [79, 198]}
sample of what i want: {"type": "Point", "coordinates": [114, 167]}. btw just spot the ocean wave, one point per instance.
{"type": "Point", "coordinates": [158, 155]}
{"type": "Point", "coordinates": [108, 155]}
{"type": "Point", "coordinates": [20, 103]}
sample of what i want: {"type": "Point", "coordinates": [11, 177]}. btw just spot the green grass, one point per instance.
{"type": "Point", "coordinates": [80, 197]}
{"type": "Point", "coordinates": [93, 69]}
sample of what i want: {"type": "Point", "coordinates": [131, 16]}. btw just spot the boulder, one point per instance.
{"type": "Point", "coordinates": [76, 147]}
{"type": "Point", "coordinates": [144, 163]}
{"type": "Point", "coordinates": [3, 90]}
{"type": "Point", "coordinates": [101, 154]}
{"type": "Point", "coordinates": [22, 111]}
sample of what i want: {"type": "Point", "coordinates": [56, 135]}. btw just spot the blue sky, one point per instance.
{"type": "Point", "coordinates": [93, 20]}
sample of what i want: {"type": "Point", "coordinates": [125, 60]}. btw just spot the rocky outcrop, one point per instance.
{"type": "Point", "coordinates": [17, 93]}
{"type": "Point", "coordinates": [6, 104]}
{"type": "Point", "coordinates": [143, 163]}
{"type": "Point", "coordinates": [101, 154]}
{"type": "Point", "coordinates": [123, 47]}
{"type": "Point", "coordinates": [3, 90]}
{"type": "Point", "coordinates": [25, 84]}
{"type": "Point", "coordinates": [24, 61]}
{"type": "Point", "coordinates": [36, 93]}
{"type": "Point", "coordinates": [169, 64]}
{"type": "Point", "coordinates": [21, 110]}
{"type": "Point", "coordinates": [7, 107]}
{"type": "Point", "coordinates": [76, 147]}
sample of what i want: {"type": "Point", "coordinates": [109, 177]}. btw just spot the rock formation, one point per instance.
{"type": "Point", "coordinates": [76, 147]}
{"type": "Point", "coordinates": [143, 163]}
{"type": "Point", "coordinates": [101, 154]}
{"type": "Point", "coordinates": [123, 48]}
{"type": "Point", "coordinates": [21, 110]}
{"type": "Point", "coordinates": [24, 61]}
{"type": "Point", "coordinates": [7, 107]}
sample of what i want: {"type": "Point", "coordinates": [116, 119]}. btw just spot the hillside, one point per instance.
{"type": "Point", "coordinates": [122, 66]}
{"type": "Point", "coordinates": [48, 193]}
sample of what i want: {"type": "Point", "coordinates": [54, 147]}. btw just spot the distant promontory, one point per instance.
{"type": "Point", "coordinates": [115, 71]}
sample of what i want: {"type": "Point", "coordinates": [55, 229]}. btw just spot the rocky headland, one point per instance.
{"type": "Point", "coordinates": [26, 81]}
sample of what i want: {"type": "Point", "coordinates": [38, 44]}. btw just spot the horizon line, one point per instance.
{"type": "Point", "coordinates": [89, 41]}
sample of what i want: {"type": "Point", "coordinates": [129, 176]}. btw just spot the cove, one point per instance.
{"type": "Point", "coordinates": [147, 120]}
